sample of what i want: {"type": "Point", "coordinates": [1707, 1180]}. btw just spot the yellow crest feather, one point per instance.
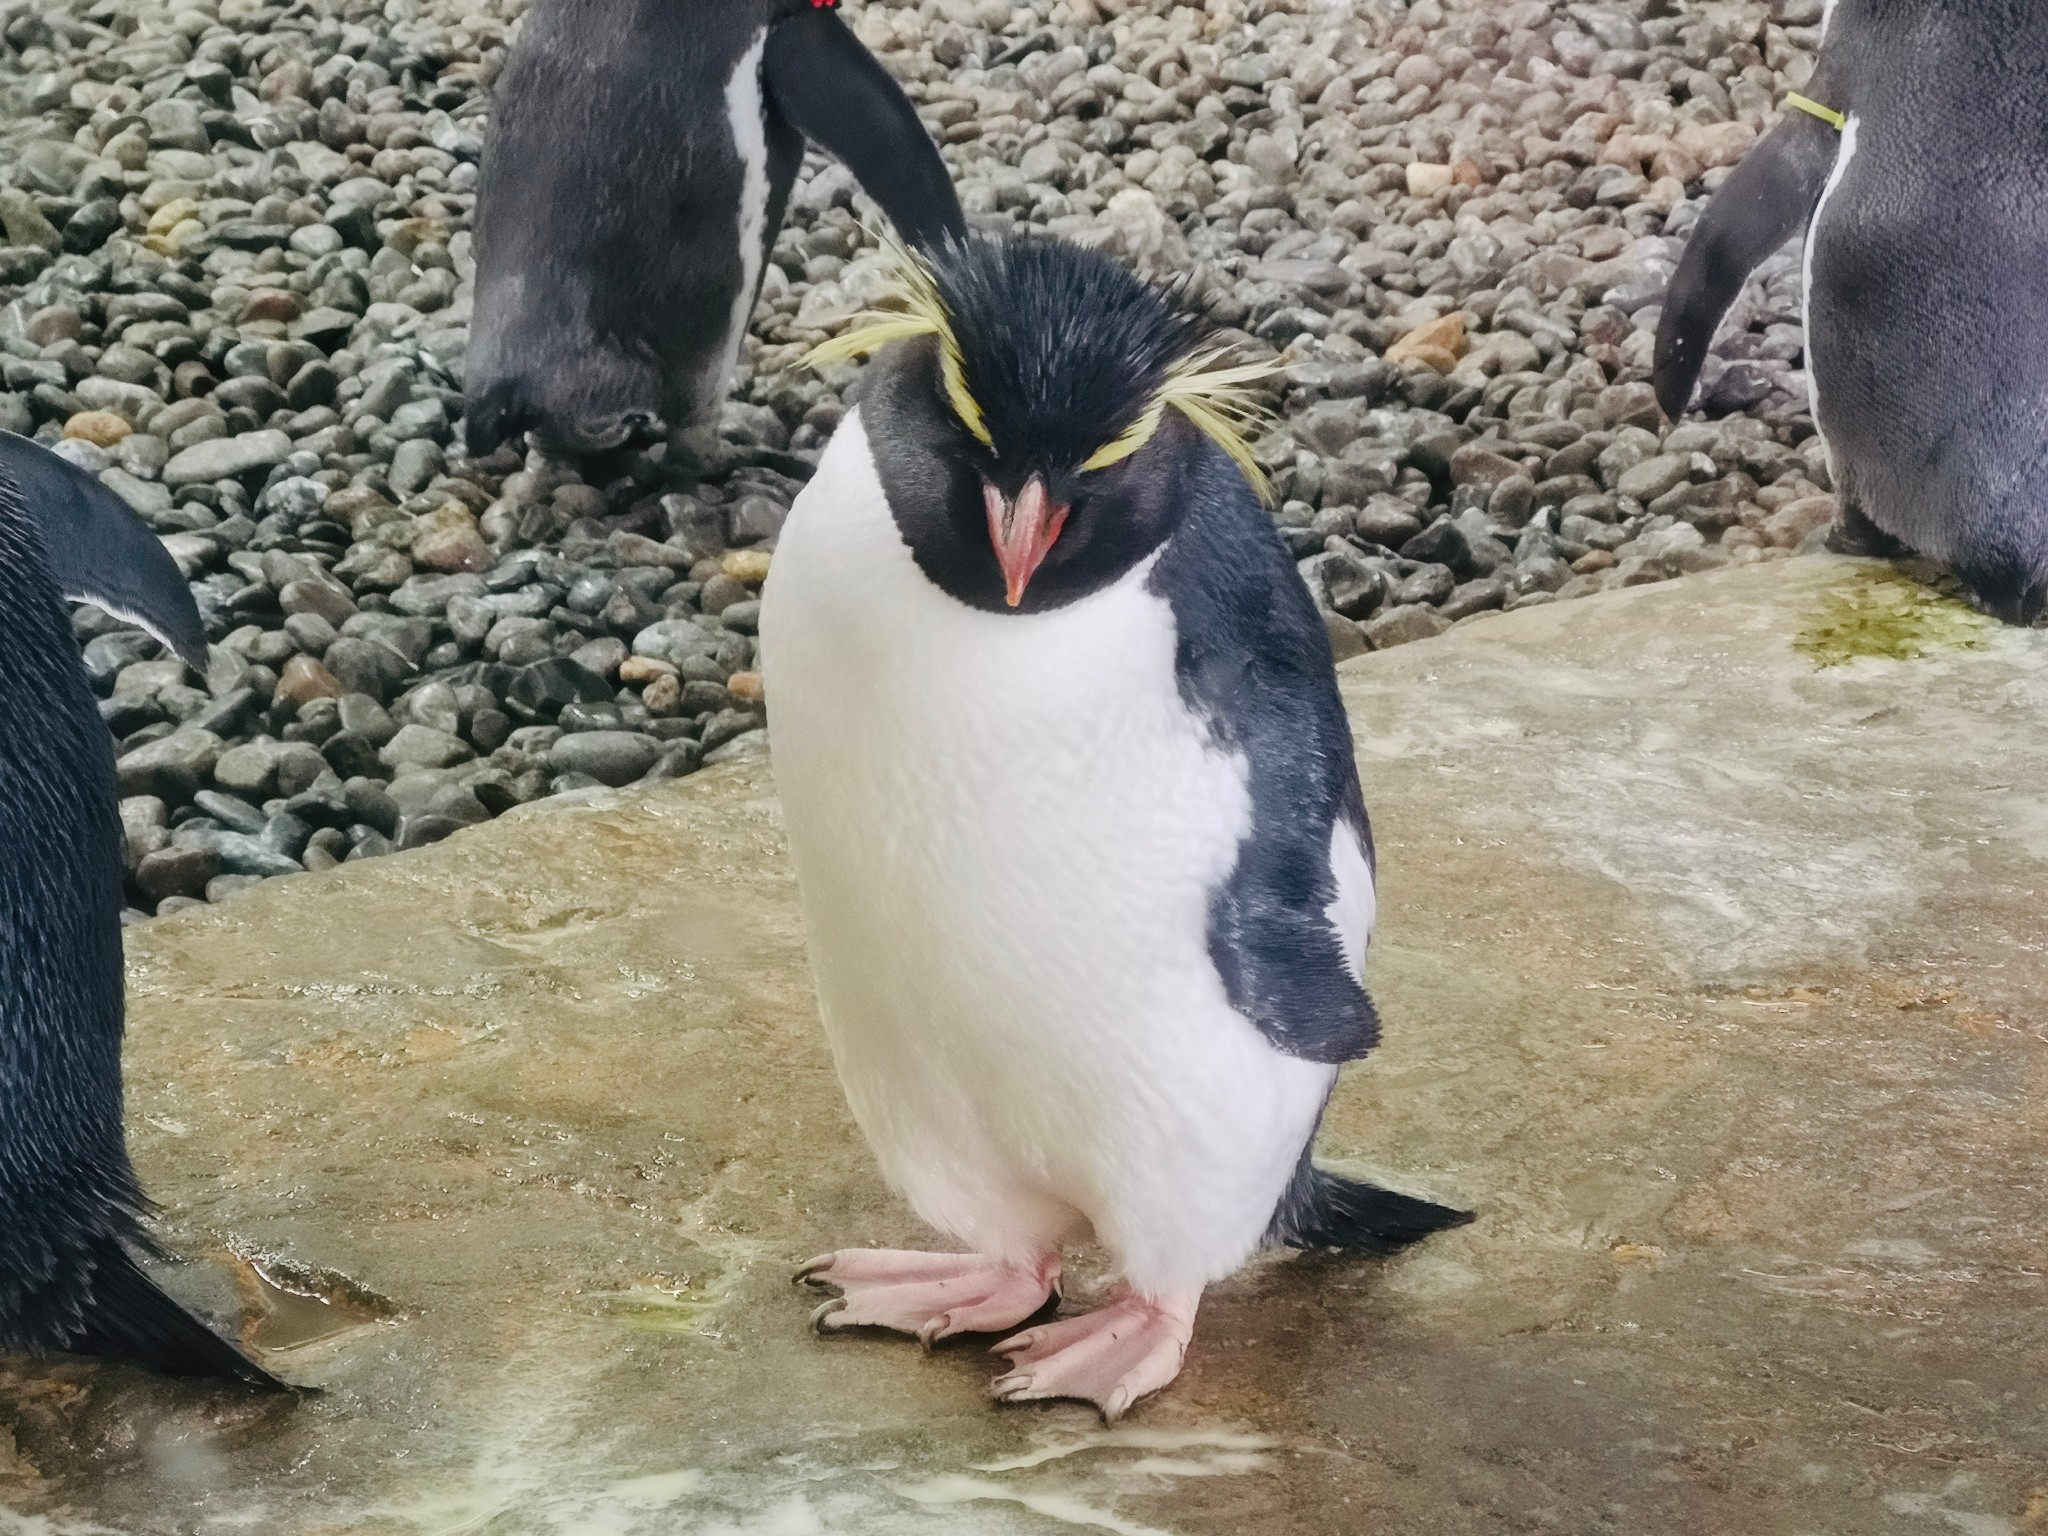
{"type": "Point", "coordinates": [1216, 402]}
{"type": "Point", "coordinates": [869, 333]}
{"type": "Point", "coordinates": [1136, 436]}
{"type": "Point", "coordinates": [920, 311]}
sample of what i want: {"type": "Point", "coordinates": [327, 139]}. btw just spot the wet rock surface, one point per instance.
{"type": "Point", "coordinates": [1711, 978]}
{"type": "Point", "coordinates": [237, 285]}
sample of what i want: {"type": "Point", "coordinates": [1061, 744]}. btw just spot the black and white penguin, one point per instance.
{"type": "Point", "coordinates": [640, 156]}
{"type": "Point", "coordinates": [1916, 158]}
{"type": "Point", "coordinates": [1072, 802]}
{"type": "Point", "coordinates": [70, 1207]}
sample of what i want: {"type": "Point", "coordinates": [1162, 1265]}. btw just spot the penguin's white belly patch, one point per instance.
{"type": "Point", "coordinates": [745, 114]}
{"type": "Point", "coordinates": [1845, 155]}
{"type": "Point", "coordinates": [1007, 830]}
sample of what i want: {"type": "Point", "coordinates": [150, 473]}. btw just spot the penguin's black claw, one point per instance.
{"type": "Point", "coordinates": [836, 1305]}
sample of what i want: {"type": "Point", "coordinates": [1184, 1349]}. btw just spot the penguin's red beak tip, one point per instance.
{"type": "Point", "coordinates": [1022, 532]}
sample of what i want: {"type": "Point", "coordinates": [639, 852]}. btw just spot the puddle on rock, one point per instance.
{"type": "Point", "coordinates": [1889, 615]}
{"type": "Point", "coordinates": [291, 1308]}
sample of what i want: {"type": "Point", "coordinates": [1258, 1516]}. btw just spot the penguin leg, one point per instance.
{"type": "Point", "coordinates": [1124, 1350]}
{"type": "Point", "coordinates": [929, 1295]}
{"type": "Point", "coordinates": [1853, 533]}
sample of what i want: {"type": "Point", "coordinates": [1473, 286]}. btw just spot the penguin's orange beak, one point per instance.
{"type": "Point", "coordinates": [1022, 532]}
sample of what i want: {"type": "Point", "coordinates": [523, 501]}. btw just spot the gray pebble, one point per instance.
{"type": "Point", "coordinates": [424, 746]}
{"type": "Point", "coordinates": [609, 757]}
{"type": "Point", "coordinates": [1270, 166]}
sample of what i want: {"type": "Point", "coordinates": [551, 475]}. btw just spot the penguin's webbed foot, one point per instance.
{"type": "Point", "coordinates": [1111, 1357]}
{"type": "Point", "coordinates": [930, 1296]}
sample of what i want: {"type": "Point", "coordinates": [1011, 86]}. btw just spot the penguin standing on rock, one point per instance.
{"type": "Point", "coordinates": [1072, 802]}
{"type": "Point", "coordinates": [70, 1208]}
{"type": "Point", "coordinates": [640, 156]}
{"type": "Point", "coordinates": [1916, 158]}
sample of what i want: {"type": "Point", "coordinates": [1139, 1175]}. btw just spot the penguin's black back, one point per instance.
{"type": "Point", "coordinates": [1919, 165]}
{"type": "Point", "coordinates": [70, 1206]}
{"type": "Point", "coordinates": [61, 1146]}
{"type": "Point", "coordinates": [1929, 309]}
{"type": "Point", "coordinates": [608, 263]}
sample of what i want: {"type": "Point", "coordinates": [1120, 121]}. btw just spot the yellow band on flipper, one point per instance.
{"type": "Point", "coordinates": [1812, 108]}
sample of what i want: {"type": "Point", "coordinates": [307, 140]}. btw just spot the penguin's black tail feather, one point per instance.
{"type": "Point", "coordinates": [130, 1317]}
{"type": "Point", "coordinates": [1326, 1211]}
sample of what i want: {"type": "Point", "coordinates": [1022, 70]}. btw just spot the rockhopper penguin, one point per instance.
{"type": "Point", "coordinates": [70, 1207]}
{"type": "Point", "coordinates": [1075, 818]}
{"type": "Point", "coordinates": [639, 159]}
{"type": "Point", "coordinates": [1916, 159]}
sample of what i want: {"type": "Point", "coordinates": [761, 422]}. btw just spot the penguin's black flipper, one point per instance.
{"type": "Point", "coordinates": [100, 551]}
{"type": "Point", "coordinates": [1323, 1211]}
{"type": "Point", "coordinates": [130, 1317]}
{"type": "Point", "coordinates": [836, 93]}
{"type": "Point", "coordinates": [1763, 204]}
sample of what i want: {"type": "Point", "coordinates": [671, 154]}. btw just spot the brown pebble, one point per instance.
{"type": "Point", "coordinates": [721, 592]}
{"type": "Point", "coordinates": [1791, 524]}
{"type": "Point", "coordinates": [645, 669]}
{"type": "Point", "coordinates": [304, 678]}
{"type": "Point", "coordinates": [408, 235]}
{"type": "Point", "coordinates": [270, 304]}
{"type": "Point", "coordinates": [746, 687]}
{"type": "Point", "coordinates": [447, 539]}
{"type": "Point", "coordinates": [60, 322]}
{"type": "Point", "coordinates": [291, 79]}
{"type": "Point", "coordinates": [663, 696]}
{"type": "Point", "coordinates": [1438, 344]}
{"type": "Point", "coordinates": [103, 428]}
{"type": "Point", "coordinates": [748, 565]}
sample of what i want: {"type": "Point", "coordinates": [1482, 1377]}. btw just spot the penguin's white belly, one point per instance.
{"type": "Point", "coordinates": [1007, 830]}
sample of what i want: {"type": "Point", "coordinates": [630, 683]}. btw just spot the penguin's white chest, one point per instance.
{"type": "Point", "coordinates": [1007, 830]}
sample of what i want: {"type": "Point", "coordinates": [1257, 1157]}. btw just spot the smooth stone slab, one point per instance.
{"type": "Point", "coordinates": [1712, 977]}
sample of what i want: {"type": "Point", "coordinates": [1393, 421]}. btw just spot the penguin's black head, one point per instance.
{"type": "Point", "coordinates": [1036, 431]}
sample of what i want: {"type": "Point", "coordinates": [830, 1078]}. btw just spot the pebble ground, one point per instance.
{"type": "Point", "coordinates": [236, 284]}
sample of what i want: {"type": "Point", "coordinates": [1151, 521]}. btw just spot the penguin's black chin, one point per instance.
{"type": "Point", "coordinates": [1022, 529]}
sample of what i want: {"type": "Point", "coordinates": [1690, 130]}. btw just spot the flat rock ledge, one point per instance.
{"type": "Point", "coordinates": [1712, 970]}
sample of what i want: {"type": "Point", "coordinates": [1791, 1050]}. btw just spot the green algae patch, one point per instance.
{"type": "Point", "coordinates": [1889, 615]}
{"type": "Point", "coordinates": [660, 1308]}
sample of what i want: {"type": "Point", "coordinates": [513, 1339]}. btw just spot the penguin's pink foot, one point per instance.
{"type": "Point", "coordinates": [930, 1295]}
{"type": "Point", "coordinates": [1124, 1350]}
